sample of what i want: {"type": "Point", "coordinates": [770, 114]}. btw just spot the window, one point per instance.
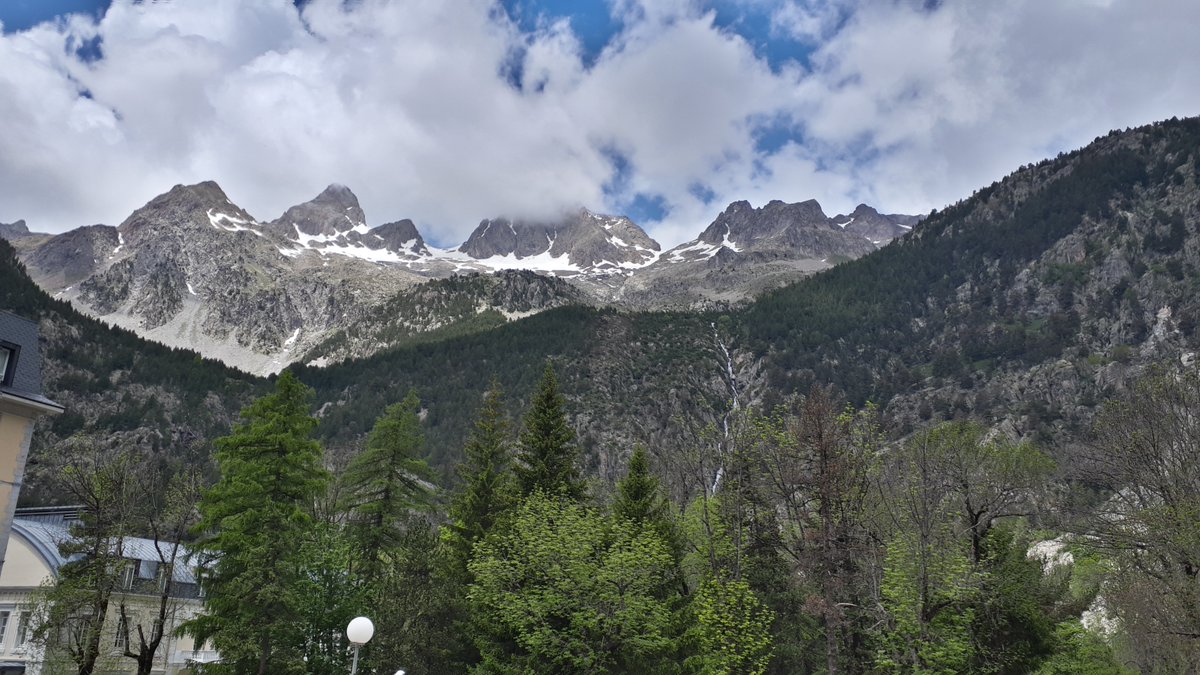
{"type": "Point", "coordinates": [4, 625]}
{"type": "Point", "coordinates": [122, 629]}
{"type": "Point", "coordinates": [130, 569]}
{"type": "Point", "coordinates": [22, 628]}
{"type": "Point", "coordinates": [8, 362]}
{"type": "Point", "coordinates": [164, 573]}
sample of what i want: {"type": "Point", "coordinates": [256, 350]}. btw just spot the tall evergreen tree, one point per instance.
{"type": "Point", "coordinates": [487, 484]}
{"type": "Point", "coordinates": [387, 481]}
{"type": "Point", "coordinates": [640, 501]}
{"type": "Point", "coordinates": [638, 496]}
{"type": "Point", "coordinates": [548, 452]}
{"type": "Point", "coordinates": [250, 524]}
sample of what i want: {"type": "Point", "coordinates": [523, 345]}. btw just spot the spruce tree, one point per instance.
{"type": "Point", "coordinates": [638, 497]}
{"type": "Point", "coordinates": [640, 501]}
{"type": "Point", "coordinates": [548, 452]}
{"type": "Point", "coordinates": [487, 484]}
{"type": "Point", "coordinates": [386, 482]}
{"type": "Point", "coordinates": [251, 523]}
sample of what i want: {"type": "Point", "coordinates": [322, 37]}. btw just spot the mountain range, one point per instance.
{"type": "Point", "coordinates": [1025, 305]}
{"type": "Point", "coordinates": [317, 284]}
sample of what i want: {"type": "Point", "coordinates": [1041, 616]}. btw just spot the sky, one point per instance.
{"type": "Point", "coordinates": [451, 111]}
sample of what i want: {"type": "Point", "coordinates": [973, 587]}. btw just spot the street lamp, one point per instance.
{"type": "Point", "coordinates": [359, 631]}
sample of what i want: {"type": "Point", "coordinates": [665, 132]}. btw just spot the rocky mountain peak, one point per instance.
{"type": "Point", "coordinates": [874, 226]}
{"type": "Point", "coordinates": [14, 230]}
{"type": "Point", "coordinates": [400, 236]}
{"type": "Point", "coordinates": [579, 239]}
{"type": "Point", "coordinates": [206, 193]}
{"type": "Point", "coordinates": [337, 195]}
{"type": "Point", "coordinates": [333, 212]}
{"type": "Point", "coordinates": [746, 225]}
{"type": "Point", "coordinates": [183, 211]}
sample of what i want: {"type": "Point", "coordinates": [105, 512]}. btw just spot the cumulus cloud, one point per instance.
{"type": "Point", "coordinates": [450, 112]}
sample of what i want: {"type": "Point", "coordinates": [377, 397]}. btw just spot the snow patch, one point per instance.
{"type": "Point", "coordinates": [190, 289]}
{"type": "Point", "coordinates": [843, 225]}
{"type": "Point", "coordinates": [542, 262]}
{"type": "Point", "coordinates": [326, 244]}
{"type": "Point", "coordinates": [728, 243]}
{"type": "Point", "coordinates": [703, 250]}
{"type": "Point", "coordinates": [234, 224]}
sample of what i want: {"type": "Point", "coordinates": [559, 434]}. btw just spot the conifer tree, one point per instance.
{"type": "Point", "coordinates": [386, 482]}
{"type": "Point", "coordinates": [548, 452]}
{"type": "Point", "coordinates": [487, 484]}
{"type": "Point", "coordinates": [250, 524]}
{"type": "Point", "coordinates": [638, 497]}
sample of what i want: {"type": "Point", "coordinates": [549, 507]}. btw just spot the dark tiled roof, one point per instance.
{"type": "Point", "coordinates": [27, 379]}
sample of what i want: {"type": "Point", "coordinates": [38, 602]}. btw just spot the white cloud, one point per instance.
{"type": "Point", "coordinates": [413, 105]}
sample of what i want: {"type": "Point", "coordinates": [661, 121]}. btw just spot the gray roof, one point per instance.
{"type": "Point", "coordinates": [45, 537]}
{"type": "Point", "coordinates": [27, 380]}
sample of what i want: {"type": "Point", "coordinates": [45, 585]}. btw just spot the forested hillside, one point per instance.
{"type": "Point", "coordinates": [167, 404]}
{"type": "Point", "coordinates": [1025, 304]}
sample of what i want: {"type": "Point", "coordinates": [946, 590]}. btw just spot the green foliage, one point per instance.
{"type": "Point", "coordinates": [486, 484]}
{"type": "Point", "coordinates": [386, 481]}
{"type": "Point", "coordinates": [708, 544]}
{"type": "Point", "coordinates": [565, 589]}
{"type": "Point", "coordinates": [732, 628]}
{"type": "Point", "coordinates": [927, 592]}
{"type": "Point", "coordinates": [1080, 652]}
{"type": "Point", "coordinates": [328, 596]}
{"type": "Point", "coordinates": [548, 457]}
{"type": "Point", "coordinates": [252, 522]}
{"type": "Point", "coordinates": [417, 608]}
{"type": "Point", "coordinates": [72, 612]}
{"type": "Point", "coordinates": [640, 500]}
{"type": "Point", "coordinates": [1013, 621]}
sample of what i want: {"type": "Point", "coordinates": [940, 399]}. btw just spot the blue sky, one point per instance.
{"type": "Point", "coordinates": [665, 110]}
{"type": "Point", "coordinates": [19, 15]}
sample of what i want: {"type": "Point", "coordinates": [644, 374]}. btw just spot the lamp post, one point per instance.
{"type": "Point", "coordinates": [359, 631]}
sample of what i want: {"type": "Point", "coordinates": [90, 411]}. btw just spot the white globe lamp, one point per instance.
{"type": "Point", "coordinates": [360, 631]}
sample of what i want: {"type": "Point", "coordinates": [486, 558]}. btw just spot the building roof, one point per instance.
{"type": "Point", "coordinates": [45, 537]}
{"type": "Point", "coordinates": [26, 382]}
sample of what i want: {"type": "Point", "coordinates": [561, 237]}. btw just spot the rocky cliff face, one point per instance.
{"type": "Point", "coordinates": [65, 260]}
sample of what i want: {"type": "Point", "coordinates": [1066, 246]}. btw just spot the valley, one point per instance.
{"type": "Point", "coordinates": [1032, 307]}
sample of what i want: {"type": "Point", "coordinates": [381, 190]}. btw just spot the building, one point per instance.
{"type": "Point", "coordinates": [34, 559]}
{"type": "Point", "coordinates": [21, 403]}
